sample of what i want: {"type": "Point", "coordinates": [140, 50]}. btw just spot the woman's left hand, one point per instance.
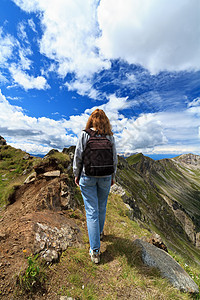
{"type": "Point", "coordinates": [77, 181]}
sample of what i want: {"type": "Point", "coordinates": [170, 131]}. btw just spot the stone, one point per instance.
{"type": "Point", "coordinates": [2, 236]}
{"type": "Point", "coordinates": [66, 298]}
{"type": "Point", "coordinates": [168, 267]}
{"type": "Point", "coordinates": [51, 241]}
{"type": "Point", "coordinates": [26, 156]}
{"type": "Point", "coordinates": [55, 173]}
{"type": "Point", "coordinates": [117, 190]}
{"type": "Point", "coordinates": [30, 178]}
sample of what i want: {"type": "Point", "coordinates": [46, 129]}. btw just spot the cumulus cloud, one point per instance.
{"type": "Point", "coordinates": [28, 81]}
{"type": "Point", "coordinates": [153, 132]}
{"type": "Point", "coordinates": [69, 36]}
{"type": "Point", "coordinates": [41, 133]}
{"type": "Point", "coordinates": [131, 134]}
{"type": "Point", "coordinates": [83, 87]}
{"type": "Point", "coordinates": [143, 133]}
{"type": "Point", "coordinates": [83, 36]}
{"type": "Point", "coordinates": [181, 129]}
{"type": "Point", "coordinates": [159, 35]}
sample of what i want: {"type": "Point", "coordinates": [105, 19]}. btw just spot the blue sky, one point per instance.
{"type": "Point", "coordinates": [139, 60]}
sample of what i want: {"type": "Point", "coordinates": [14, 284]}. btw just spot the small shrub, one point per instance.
{"type": "Point", "coordinates": [33, 277]}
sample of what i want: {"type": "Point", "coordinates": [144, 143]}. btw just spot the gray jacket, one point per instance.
{"type": "Point", "coordinates": [78, 169]}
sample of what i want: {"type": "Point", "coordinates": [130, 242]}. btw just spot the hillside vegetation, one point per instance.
{"type": "Point", "coordinates": [166, 194]}
{"type": "Point", "coordinates": [56, 200]}
{"type": "Point", "coordinates": [15, 164]}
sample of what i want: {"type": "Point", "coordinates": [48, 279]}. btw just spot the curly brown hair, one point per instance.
{"type": "Point", "coordinates": [100, 122]}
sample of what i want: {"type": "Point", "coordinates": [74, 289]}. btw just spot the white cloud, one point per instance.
{"type": "Point", "coordinates": [36, 133]}
{"type": "Point", "coordinates": [173, 149]}
{"type": "Point", "coordinates": [6, 47]}
{"type": "Point", "coordinates": [159, 35]}
{"type": "Point", "coordinates": [169, 132]}
{"type": "Point", "coordinates": [83, 87]}
{"type": "Point", "coordinates": [69, 36]}
{"type": "Point", "coordinates": [30, 147]}
{"type": "Point", "coordinates": [82, 36]}
{"type": "Point", "coordinates": [28, 81]}
{"type": "Point", "coordinates": [25, 62]}
{"type": "Point", "coordinates": [32, 25]}
{"type": "Point", "coordinates": [195, 102]}
{"type": "Point", "coordinates": [131, 134]}
{"type": "Point", "coordinates": [143, 133]}
{"type": "Point", "coordinates": [3, 79]}
{"type": "Point", "coordinates": [28, 5]}
{"type": "Point", "coordinates": [22, 32]}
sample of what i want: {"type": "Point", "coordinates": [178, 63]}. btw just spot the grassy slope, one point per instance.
{"type": "Point", "coordinates": [12, 166]}
{"type": "Point", "coordinates": [147, 181]}
{"type": "Point", "coordinates": [120, 275]}
{"type": "Point", "coordinates": [185, 187]}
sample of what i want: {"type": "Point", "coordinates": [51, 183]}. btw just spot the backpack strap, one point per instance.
{"type": "Point", "coordinates": [90, 132]}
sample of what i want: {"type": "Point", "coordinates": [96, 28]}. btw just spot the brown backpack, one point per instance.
{"type": "Point", "coordinates": [98, 155]}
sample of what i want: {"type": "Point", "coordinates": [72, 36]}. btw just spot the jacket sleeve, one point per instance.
{"type": "Point", "coordinates": [78, 155]}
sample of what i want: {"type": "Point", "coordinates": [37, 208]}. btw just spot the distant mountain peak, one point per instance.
{"type": "Point", "coordinates": [189, 159]}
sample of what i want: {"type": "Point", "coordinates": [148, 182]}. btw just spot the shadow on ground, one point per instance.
{"type": "Point", "coordinates": [117, 246]}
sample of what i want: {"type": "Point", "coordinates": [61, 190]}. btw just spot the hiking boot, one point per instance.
{"type": "Point", "coordinates": [95, 255]}
{"type": "Point", "coordinates": [101, 236]}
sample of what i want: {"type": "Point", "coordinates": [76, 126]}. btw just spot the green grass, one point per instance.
{"type": "Point", "coordinates": [12, 166]}
{"type": "Point", "coordinates": [121, 273]}
{"type": "Point", "coordinates": [133, 159]}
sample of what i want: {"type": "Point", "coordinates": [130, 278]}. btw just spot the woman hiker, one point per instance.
{"type": "Point", "coordinates": [94, 167]}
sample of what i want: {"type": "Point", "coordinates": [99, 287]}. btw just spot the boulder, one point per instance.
{"type": "Point", "coordinates": [168, 267]}
{"type": "Point", "coordinates": [50, 240]}
{"type": "Point", "coordinates": [30, 178]}
{"type": "Point", "coordinates": [55, 173]}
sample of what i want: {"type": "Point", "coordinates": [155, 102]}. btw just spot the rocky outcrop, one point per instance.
{"type": "Point", "coordinates": [52, 163]}
{"type": "Point", "coordinates": [189, 159]}
{"type": "Point", "coordinates": [2, 141]}
{"type": "Point", "coordinates": [167, 266]}
{"type": "Point", "coordinates": [118, 190]}
{"type": "Point", "coordinates": [36, 220]}
{"type": "Point", "coordinates": [50, 234]}
{"type": "Point", "coordinates": [70, 151]}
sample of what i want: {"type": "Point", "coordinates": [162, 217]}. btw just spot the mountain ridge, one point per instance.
{"type": "Point", "coordinates": [174, 183]}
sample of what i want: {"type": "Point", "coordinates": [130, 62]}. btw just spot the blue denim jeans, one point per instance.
{"type": "Point", "coordinates": [95, 192]}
